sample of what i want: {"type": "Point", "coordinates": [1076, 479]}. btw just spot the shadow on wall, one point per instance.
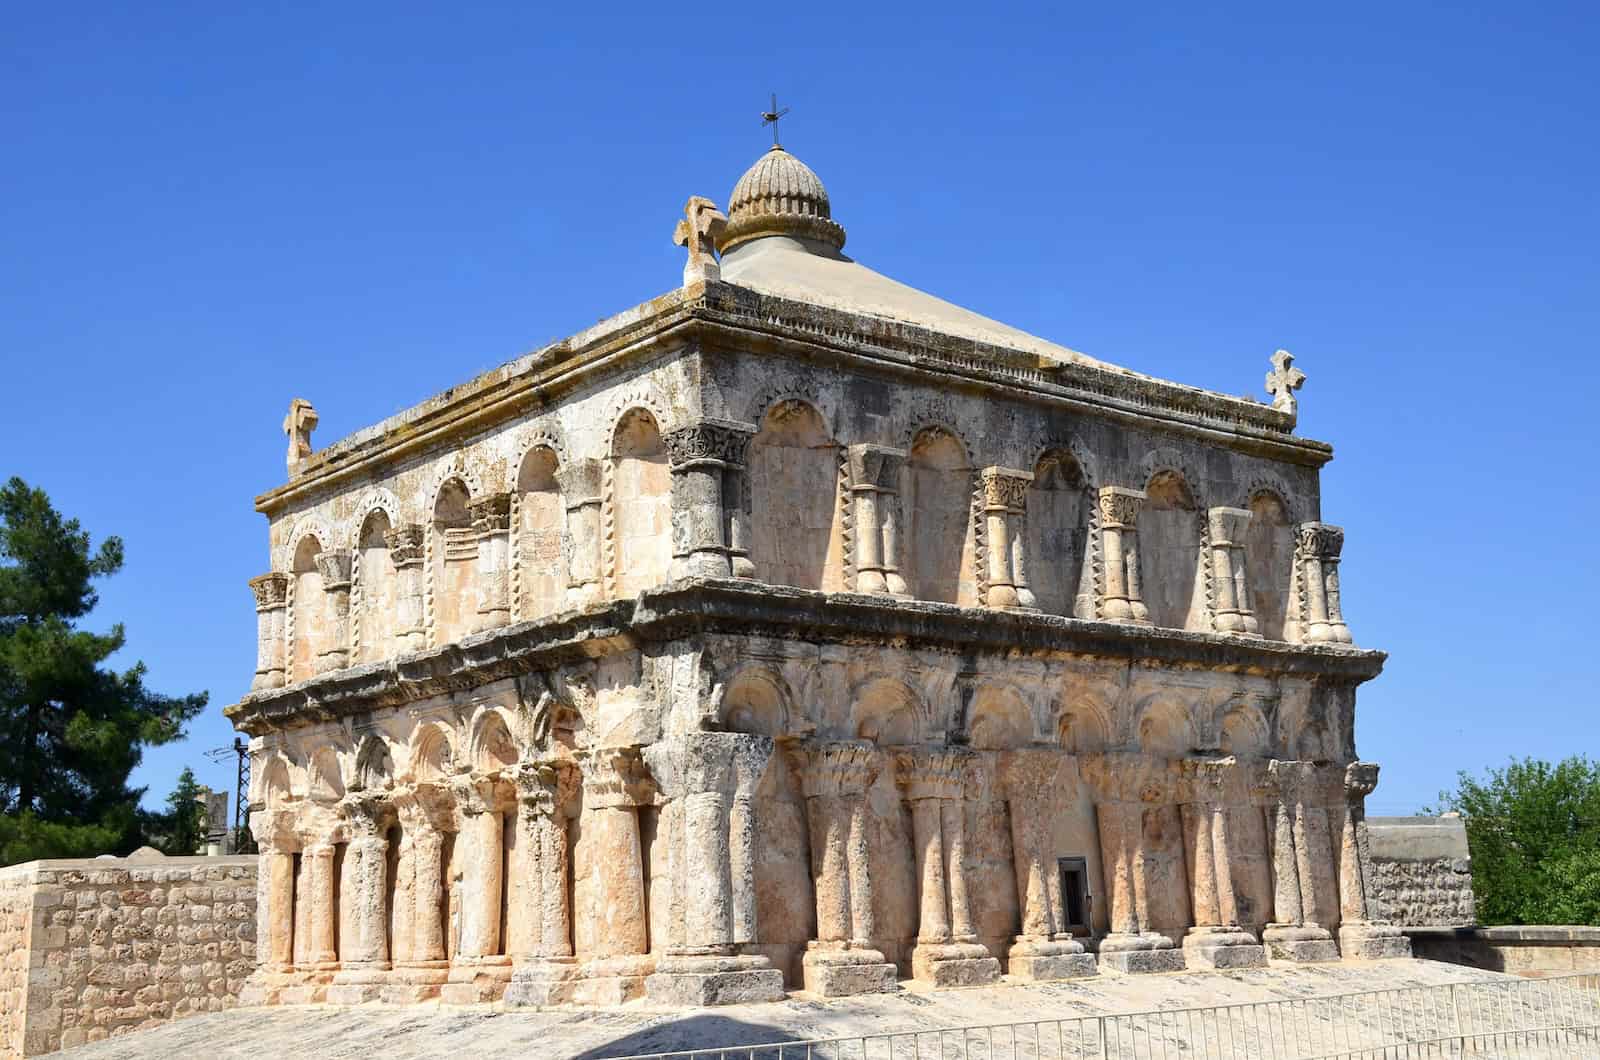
{"type": "Point", "coordinates": [698, 1031]}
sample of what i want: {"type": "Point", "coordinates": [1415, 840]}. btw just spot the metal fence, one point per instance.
{"type": "Point", "coordinates": [1533, 1018]}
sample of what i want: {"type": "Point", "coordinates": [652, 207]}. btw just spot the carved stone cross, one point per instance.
{"type": "Point", "coordinates": [1283, 381]}
{"type": "Point", "coordinates": [699, 230]}
{"type": "Point", "coordinates": [298, 425]}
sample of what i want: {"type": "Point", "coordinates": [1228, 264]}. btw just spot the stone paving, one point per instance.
{"type": "Point", "coordinates": [427, 1031]}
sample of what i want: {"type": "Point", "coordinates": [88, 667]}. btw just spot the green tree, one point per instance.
{"type": "Point", "coordinates": [180, 831]}
{"type": "Point", "coordinates": [1534, 832]}
{"type": "Point", "coordinates": [74, 730]}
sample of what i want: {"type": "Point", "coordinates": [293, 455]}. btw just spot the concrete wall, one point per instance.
{"type": "Point", "coordinates": [1421, 871]}
{"type": "Point", "coordinates": [1530, 950]}
{"type": "Point", "coordinates": [92, 948]}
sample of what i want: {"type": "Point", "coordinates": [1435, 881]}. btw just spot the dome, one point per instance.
{"type": "Point", "coordinates": [780, 196]}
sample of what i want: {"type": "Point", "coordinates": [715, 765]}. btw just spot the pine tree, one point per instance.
{"type": "Point", "coordinates": [73, 731]}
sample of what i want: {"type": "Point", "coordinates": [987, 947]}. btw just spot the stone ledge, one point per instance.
{"type": "Point", "coordinates": [696, 605]}
{"type": "Point", "coordinates": [1525, 934]}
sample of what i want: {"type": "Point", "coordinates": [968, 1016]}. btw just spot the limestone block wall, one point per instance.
{"type": "Point", "coordinates": [1531, 950]}
{"type": "Point", "coordinates": [1422, 871]}
{"type": "Point", "coordinates": [94, 948]}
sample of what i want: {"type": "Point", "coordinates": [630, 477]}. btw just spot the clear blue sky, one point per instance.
{"type": "Point", "coordinates": [204, 213]}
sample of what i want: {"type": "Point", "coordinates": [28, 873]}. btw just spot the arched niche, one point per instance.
{"type": "Point", "coordinates": [432, 759]}
{"type": "Point", "coordinates": [755, 703]}
{"type": "Point", "coordinates": [938, 547]}
{"type": "Point", "coordinates": [455, 559]}
{"type": "Point", "coordinates": [1000, 720]}
{"type": "Point", "coordinates": [541, 520]}
{"type": "Point", "coordinates": [794, 472]}
{"type": "Point", "coordinates": [1166, 730]}
{"type": "Point", "coordinates": [1058, 528]}
{"type": "Point", "coordinates": [641, 503]}
{"type": "Point", "coordinates": [374, 765]}
{"type": "Point", "coordinates": [1082, 730]}
{"type": "Point", "coordinates": [1244, 733]}
{"type": "Point", "coordinates": [311, 617]}
{"type": "Point", "coordinates": [886, 712]}
{"type": "Point", "coordinates": [493, 747]}
{"type": "Point", "coordinates": [273, 789]}
{"type": "Point", "coordinates": [1269, 562]}
{"type": "Point", "coordinates": [1169, 552]}
{"type": "Point", "coordinates": [325, 783]}
{"type": "Point", "coordinates": [378, 590]}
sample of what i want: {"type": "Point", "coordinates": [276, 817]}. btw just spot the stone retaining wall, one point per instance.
{"type": "Point", "coordinates": [1421, 871]}
{"type": "Point", "coordinates": [1530, 950]}
{"type": "Point", "coordinates": [93, 948]}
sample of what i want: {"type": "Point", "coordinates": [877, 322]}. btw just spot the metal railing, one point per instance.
{"type": "Point", "coordinates": [1533, 1018]}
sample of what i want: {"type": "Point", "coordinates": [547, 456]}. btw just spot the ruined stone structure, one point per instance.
{"type": "Point", "coordinates": [797, 629]}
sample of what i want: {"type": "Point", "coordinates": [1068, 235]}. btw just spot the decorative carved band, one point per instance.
{"type": "Point", "coordinates": [1321, 541]}
{"type": "Point", "coordinates": [1005, 487]}
{"type": "Point", "coordinates": [335, 566]}
{"type": "Point", "coordinates": [491, 513]}
{"type": "Point", "coordinates": [722, 440]}
{"type": "Point", "coordinates": [271, 590]}
{"type": "Point", "coordinates": [405, 544]}
{"type": "Point", "coordinates": [1119, 507]}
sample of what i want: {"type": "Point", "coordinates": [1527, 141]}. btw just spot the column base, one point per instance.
{"type": "Point", "coordinates": [1300, 943]}
{"type": "Point", "coordinates": [475, 980]}
{"type": "Point", "coordinates": [714, 980]}
{"type": "Point", "coordinates": [415, 982]}
{"type": "Point", "coordinates": [953, 964]}
{"type": "Point", "coordinates": [831, 970]}
{"type": "Point", "coordinates": [611, 980]}
{"type": "Point", "coordinates": [543, 982]}
{"type": "Point", "coordinates": [1140, 954]}
{"type": "Point", "coordinates": [1363, 941]}
{"type": "Point", "coordinates": [355, 986]}
{"type": "Point", "coordinates": [1044, 959]}
{"type": "Point", "coordinates": [1223, 947]}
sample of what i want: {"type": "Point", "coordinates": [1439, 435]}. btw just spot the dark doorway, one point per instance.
{"type": "Point", "coordinates": [1076, 900]}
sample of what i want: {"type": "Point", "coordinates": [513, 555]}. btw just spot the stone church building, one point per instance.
{"type": "Point", "coordinates": [796, 629]}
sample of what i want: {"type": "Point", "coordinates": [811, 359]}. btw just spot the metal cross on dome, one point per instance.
{"type": "Point", "coordinates": [770, 117]}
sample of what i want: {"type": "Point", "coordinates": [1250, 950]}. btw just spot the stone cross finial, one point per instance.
{"type": "Point", "coordinates": [1283, 381]}
{"type": "Point", "coordinates": [700, 230]}
{"type": "Point", "coordinates": [298, 425]}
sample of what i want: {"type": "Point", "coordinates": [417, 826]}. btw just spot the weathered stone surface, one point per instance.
{"type": "Point", "coordinates": [797, 629]}
{"type": "Point", "coordinates": [98, 947]}
{"type": "Point", "coordinates": [1422, 871]}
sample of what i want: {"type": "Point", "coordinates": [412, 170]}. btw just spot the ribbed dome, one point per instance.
{"type": "Point", "coordinates": [780, 196]}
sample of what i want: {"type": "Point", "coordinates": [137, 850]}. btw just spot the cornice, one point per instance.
{"type": "Point", "coordinates": [699, 606]}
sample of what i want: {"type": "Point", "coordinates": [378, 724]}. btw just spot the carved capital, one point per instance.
{"type": "Point", "coordinates": [932, 774]}
{"type": "Point", "coordinates": [1121, 776]}
{"type": "Point", "coordinates": [491, 513]}
{"type": "Point", "coordinates": [1360, 778]}
{"type": "Point", "coordinates": [1320, 540]}
{"type": "Point", "coordinates": [1031, 774]}
{"type": "Point", "coordinates": [1212, 781]}
{"type": "Point", "coordinates": [271, 590]}
{"type": "Point", "coordinates": [546, 787]}
{"type": "Point", "coordinates": [876, 467]}
{"type": "Point", "coordinates": [842, 768]}
{"type": "Point", "coordinates": [405, 544]}
{"type": "Point", "coordinates": [614, 777]}
{"type": "Point", "coordinates": [1294, 782]}
{"type": "Point", "coordinates": [1119, 507]}
{"type": "Point", "coordinates": [1005, 487]}
{"type": "Point", "coordinates": [580, 482]}
{"type": "Point", "coordinates": [334, 566]}
{"type": "Point", "coordinates": [368, 814]}
{"type": "Point", "coordinates": [1228, 526]}
{"type": "Point", "coordinates": [726, 762]}
{"type": "Point", "coordinates": [723, 441]}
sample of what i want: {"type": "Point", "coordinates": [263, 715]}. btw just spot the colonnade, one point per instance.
{"type": "Point", "coordinates": [477, 899]}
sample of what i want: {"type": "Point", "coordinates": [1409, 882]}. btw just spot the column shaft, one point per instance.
{"type": "Point", "coordinates": [927, 832]}
{"type": "Point", "coordinates": [481, 839]}
{"type": "Point", "coordinates": [829, 824]}
{"type": "Point", "coordinates": [953, 815]}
